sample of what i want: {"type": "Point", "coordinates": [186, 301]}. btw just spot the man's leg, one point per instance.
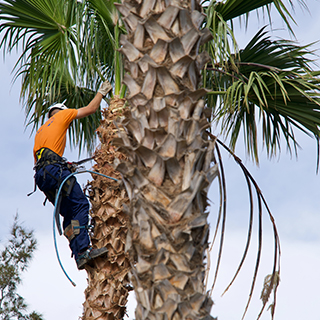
{"type": "Point", "coordinates": [76, 207]}
{"type": "Point", "coordinates": [47, 181]}
{"type": "Point", "coordinates": [73, 207]}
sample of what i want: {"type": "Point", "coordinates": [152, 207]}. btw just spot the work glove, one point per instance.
{"type": "Point", "coordinates": [105, 88]}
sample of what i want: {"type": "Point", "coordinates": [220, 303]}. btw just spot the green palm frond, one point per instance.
{"type": "Point", "coordinates": [66, 54]}
{"type": "Point", "coordinates": [47, 31]}
{"type": "Point", "coordinates": [105, 35]}
{"type": "Point", "coordinates": [274, 83]}
{"type": "Point", "coordinates": [45, 27]}
{"type": "Point", "coordinates": [220, 16]}
{"type": "Point", "coordinates": [232, 9]}
{"type": "Point", "coordinates": [106, 10]}
{"type": "Point", "coordinates": [219, 21]}
{"type": "Point", "coordinates": [220, 47]}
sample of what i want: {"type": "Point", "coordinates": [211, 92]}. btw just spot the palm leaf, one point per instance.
{"type": "Point", "coordinates": [232, 9]}
{"type": "Point", "coordinates": [108, 27]}
{"type": "Point", "coordinates": [220, 16]}
{"type": "Point", "coordinates": [48, 34]}
{"type": "Point", "coordinates": [219, 21]}
{"type": "Point", "coordinates": [58, 61]}
{"type": "Point", "coordinates": [274, 81]}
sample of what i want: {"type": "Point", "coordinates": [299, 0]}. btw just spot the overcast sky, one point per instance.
{"type": "Point", "coordinates": [290, 186]}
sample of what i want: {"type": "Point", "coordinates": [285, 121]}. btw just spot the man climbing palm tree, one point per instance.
{"type": "Point", "coordinates": [51, 169]}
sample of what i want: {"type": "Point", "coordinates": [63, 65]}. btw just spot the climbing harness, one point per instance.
{"type": "Point", "coordinates": [47, 157]}
{"type": "Point", "coordinates": [75, 226]}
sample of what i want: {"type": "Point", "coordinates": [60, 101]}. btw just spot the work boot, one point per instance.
{"type": "Point", "coordinates": [95, 253]}
{"type": "Point", "coordinates": [88, 255]}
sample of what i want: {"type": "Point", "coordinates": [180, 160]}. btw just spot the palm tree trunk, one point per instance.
{"type": "Point", "coordinates": [108, 283]}
{"type": "Point", "coordinates": [168, 169]}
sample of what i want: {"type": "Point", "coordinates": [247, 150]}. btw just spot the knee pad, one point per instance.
{"type": "Point", "coordinates": [72, 230]}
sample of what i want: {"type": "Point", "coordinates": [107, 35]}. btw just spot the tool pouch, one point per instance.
{"type": "Point", "coordinates": [72, 230]}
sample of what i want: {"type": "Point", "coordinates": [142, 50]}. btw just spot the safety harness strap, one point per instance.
{"type": "Point", "coordinates": [34, 190]}
{"type": "Point", "coordinates": [46, 156]}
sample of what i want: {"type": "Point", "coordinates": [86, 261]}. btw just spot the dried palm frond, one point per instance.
{"type": "Point", "coordinates": [272, 281]}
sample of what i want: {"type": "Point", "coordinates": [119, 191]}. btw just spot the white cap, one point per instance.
{"type": "Point", "coordinates": [60, 106]}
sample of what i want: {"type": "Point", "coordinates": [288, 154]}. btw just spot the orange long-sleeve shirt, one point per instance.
{"type": "Point", "coordinates": [52, 134]}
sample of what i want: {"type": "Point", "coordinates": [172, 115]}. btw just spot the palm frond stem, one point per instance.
{"type": "Point", "coordinates": [228, 74]}
{"type": "Point", "coordinates": [248, 237]}
{"type": "Point", "coordinates": [216, 92]}
{"type": "Point", "coordinates": [277, 252]}
{"type": "Point", "coordinates": [118, 62]}
{"type": "Point", "coordinates": [224, 215]}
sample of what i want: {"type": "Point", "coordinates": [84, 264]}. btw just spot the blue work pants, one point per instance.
{"type": "Point", "coordinates": [73, 207]}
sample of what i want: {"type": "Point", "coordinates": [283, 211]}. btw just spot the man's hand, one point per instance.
{"type": "Point", "coordinates": [105, 88]}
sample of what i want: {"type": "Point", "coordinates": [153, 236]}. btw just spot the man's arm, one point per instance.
{"type": "Point", "coordinates": [91, 108]}
{"type": "Point", "coordinates": [94, 104]}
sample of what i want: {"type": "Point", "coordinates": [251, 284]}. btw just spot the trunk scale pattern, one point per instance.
{"type": "Point", "coordinates": [108, 282]}
{"type": "Point", "coordinates": [169, 157]}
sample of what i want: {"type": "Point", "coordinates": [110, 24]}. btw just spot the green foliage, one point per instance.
{"type": "Point", "coordinates": [275, 82]}
{"type": "Point", "coordinates": [14, 259]}
{"type": "Point", "coordinates": [269, 83]}
{"type": "Point", "coordinates": [267, 90]}
{"type": "Point", "coordinates": [68, 49]}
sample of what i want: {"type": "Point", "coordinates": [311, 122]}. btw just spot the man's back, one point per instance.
{"type": "Point", "coordinates": [52, 134]}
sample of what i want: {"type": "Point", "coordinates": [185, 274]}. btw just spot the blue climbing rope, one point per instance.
{"type": "Point", "coordinates": [54, 214]}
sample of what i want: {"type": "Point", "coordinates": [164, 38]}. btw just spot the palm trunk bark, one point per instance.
{"type": "Point", "coordinates": [108, 283]}
{"type": "Point", "coordinates": [168, 170]}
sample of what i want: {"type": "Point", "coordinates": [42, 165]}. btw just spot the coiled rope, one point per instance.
{"type": "Point", "coordinates": [54, 214]}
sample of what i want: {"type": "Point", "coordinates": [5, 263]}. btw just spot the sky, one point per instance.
{"type": "Point", "coordinates": [290, 186]}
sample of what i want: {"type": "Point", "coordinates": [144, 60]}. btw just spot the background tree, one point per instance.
{"type": "Point", "coordinates": [14, 259]}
